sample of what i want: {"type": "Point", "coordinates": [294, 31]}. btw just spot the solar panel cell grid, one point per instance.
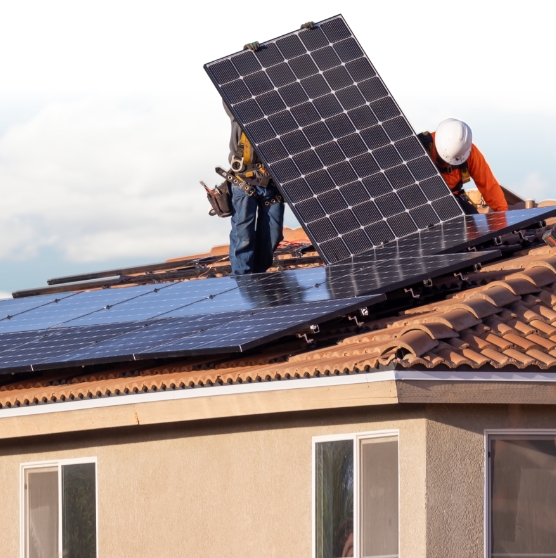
{"type": "Point", "coordinates": [332, 112]}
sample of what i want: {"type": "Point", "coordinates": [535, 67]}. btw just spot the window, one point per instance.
{"type": "Point", "coordinates": [522, 495]}
{"type": "Point", "coordinates": [356, 496]}
{"type": "Point", "coordinates": [59, 509]}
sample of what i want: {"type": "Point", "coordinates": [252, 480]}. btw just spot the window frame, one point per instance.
{"type": "Point", "coordinates": [54, 463]}
{"type": "Point", "coordinates": [490, 434]}
{"type": "Point", "coordinates": [356, 437]}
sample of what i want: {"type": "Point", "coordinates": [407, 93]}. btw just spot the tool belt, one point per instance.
{"type": "Point", "coordinates": [250, 190]}
{"type": "Point", "coordinates": [220, 199]}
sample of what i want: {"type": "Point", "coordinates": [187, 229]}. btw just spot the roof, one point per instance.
{"type": "Point", "coordinates": [500, 318]}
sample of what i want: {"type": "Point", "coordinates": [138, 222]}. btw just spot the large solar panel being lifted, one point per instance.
{"type": "Point", "coordinates": [334, 139]}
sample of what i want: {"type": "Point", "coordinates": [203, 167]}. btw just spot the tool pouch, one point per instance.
{"type": "Point", "coordinates": [220, 199]}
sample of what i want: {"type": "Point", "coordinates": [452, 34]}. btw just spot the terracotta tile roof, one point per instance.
{"type": "Point", "coordinates": [507, 320]}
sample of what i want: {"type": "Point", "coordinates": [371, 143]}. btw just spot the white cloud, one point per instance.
{"type": "Point", "coordinates": [5, 295]}
{"type": "Point", "coordinates": [98, 180]}
{"type": "Point", "coordinates": [536, 187]}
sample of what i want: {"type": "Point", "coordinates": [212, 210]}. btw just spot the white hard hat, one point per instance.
{"type": "Point", "coordinates": [453, 140]}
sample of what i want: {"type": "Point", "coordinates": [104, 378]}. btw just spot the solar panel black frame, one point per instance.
{"type": "Point", "coordinates": [334, 139]}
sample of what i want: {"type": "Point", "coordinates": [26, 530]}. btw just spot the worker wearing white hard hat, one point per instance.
{"type": "Point", "coordinates": [452, 150]}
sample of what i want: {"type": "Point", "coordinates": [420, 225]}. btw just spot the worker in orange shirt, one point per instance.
{"type": "Point", "coordinates": [458, 160]}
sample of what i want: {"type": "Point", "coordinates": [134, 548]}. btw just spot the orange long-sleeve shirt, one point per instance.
{"type": "Point", "coordinates": [480, 173]}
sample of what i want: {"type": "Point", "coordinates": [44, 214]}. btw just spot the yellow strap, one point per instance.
{"type": "Point", "coordinates": [247, 149]}
{"type": "Point", "coordinates": [465, 176]}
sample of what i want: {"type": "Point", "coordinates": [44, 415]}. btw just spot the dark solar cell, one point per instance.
{"type": "Point", "coordinates": [387, 157]}
{"type": "Point", "coordinates": [367, 213]}
{"type": "Point", "coordinates": [352, 145]}
{"type": "Point", "coordinates": [315, 86]}
{"type": "Point", "coordinates": [402, 224]}
{"type": "Point", "coordinates": [375, 137]}
{"type": "Point", "coordinates": [335, 30]}
{"type": "Point", "coordinates": [333, 201]}
{"type": "Point", "coordinates": [271, 102]}
{"type": "Point", "coordinates": [385, 109]}
{"type": "Point", "coordinates": [410, 148]}
{"type": "Point", "coordinates": [330, 153]}
{"type": "Point", "coordinates": [299, 190]}
{"type": "Point", "coordinates": [400, 177]}
{"type": "Point", "coordinates": [326, 58]}
{"type": "Point", "coordinates": [291, 47]}
{"type": "Point", "coordinates": [360, 69]}
{"type": "Point", "coordinates": [323, 230]}
{"type": "Point", "coordinates": [285, 170]}
{"type": "Point", "coordinates": [303, 67]}
{"type": "Point", "coordinates": [422, 168]}
{"type": "Point", "coordinates": [293, 94]}
{"type": "Point", "coordinates": [248, 111]}
{"type": "Point", "coordinates": [258, 83]}
{"type": "Point", "coordinates": [362, 117]}
{"type": "Point", "coordinates": [328, 106]}
{"type": "Point", "coordinates": [236, 91]}
{"type": "Point", "coordinates": [389, 204]}
{"type": "Point", "coordinates": [377, 185]}
{"type": "Point", "coordinates": [224, 71]}
{"type": "Point", "coordinates": [348, 50]}
{"type": "Point", "coordinates": [358, 241]}
{"type": "Point", "coordinates": [246, 63]}
{"type": "Point", "coordinates": [335, 250]}
{"type": "Point", "coordinates": [344, 221]}
{"type": "Point", "coordinates": [447, 208]}
{"type": "Point", "coordinates": [397, 128]}
{"type": "Point", "coordinates": [372, 89]}
{"type": "Point", "coordinates": [342, 173]}
{"type": "Point", "coordinates": [274, 150]}
{"type": "Point", "coordinates": [269, 55]}
{"type": "Point", "coordinates": [434, 188]}
{"type": "Point", "coordinates": [307, 162]}
{"type": "Point", "coordinates": [313, 38]}
{"type": "Point", "coordinates": [412, 196]}
{"type": "Point", "coordinates": [320, 181]}
{"type": "Point", "coordinates": [318, 133]}
{"type": "Point", "coordinates": [350, 98]}
{"type": "Point", "coordinates": [354, 193]}
{"type": "Point", "coordinates": [283, 122]}
{"type": "Point", "coordinates": [424, 216]}
{"type": "Point", "coordinates": [364, 165]}
{"type": "Point", "coordinates": [338, 78]}
{"type": "Point", "coordinates": [340, 126]}
{"type": "Point", "coordinates": [379, 233]}
{"type": "Point", "coordinates": [281, 75]}
{"type": "Point", "coordinates": [310, 210]}
{"type": "Point", "coordinates": [305, 114]}
{"type": "Point", "coordinates": [295, 142]}
{"type": "Point", "coordinates": [261, 131]}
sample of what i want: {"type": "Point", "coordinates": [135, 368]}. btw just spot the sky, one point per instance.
{"type": "Point", "coordinates": [108, 120]}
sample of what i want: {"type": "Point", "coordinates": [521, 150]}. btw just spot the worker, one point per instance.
{"type": "Point", "coordinates": [257, 205]}
{"type": "Point", "coordinates": [458, 160]}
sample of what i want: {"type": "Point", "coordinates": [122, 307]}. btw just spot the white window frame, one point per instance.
{"type": "Point", "coordinates": [356, 438]}
{"type": "Point", "coordinates": [488, 434]}
{"type": "Point", "coordinates": [58, 463]}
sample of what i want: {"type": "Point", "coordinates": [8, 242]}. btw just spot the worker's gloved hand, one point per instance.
{"type": "Point", "coordinates": [252, 46]}
{"type": "Point", "coordinates": [308, 25]}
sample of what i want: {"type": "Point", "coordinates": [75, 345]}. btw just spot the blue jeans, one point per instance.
{"type": "Point", "coordinates": [256, 230]}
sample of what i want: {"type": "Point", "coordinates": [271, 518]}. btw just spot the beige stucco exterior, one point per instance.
{"type": "Point", "coordinates": [241, 487]}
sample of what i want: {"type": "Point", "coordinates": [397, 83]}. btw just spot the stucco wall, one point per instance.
{"type": "Point", "coordinates": [242, 488]}
{"type": "Point", "coordinates": [235, 488]}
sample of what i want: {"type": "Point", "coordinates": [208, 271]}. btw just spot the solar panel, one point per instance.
{"type": "Point", "coordinates": [335, 140]}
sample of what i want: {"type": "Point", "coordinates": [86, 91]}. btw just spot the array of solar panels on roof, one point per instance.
{"type": "Point", "coordinates": [334, 139]}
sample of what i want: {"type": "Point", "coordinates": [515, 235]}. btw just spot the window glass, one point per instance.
{"type": "Point", "coordinates": [79, 510]}
{"type": "Point", "coordinates": [523, 496]}
{"type": "Point", "coordinates": [379, 497]}
{"type": "Point", "coordinates": [41, 518]}
{"type": "Point", "coordinates": [334, 499]}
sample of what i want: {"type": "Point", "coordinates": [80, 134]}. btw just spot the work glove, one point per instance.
{"type": "Point", "coordinates": [308, 25]}
{"type": "Point", "coordinates": [252, 46]}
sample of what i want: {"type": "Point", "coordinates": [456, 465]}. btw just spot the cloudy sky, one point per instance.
{"type": "Point", "coordinates": [108, 120]}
